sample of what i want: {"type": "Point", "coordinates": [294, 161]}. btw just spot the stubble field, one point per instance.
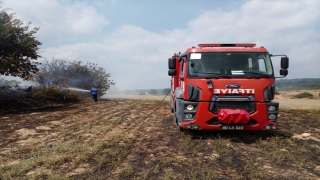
{"type": "Point", "coordinates": [136, 139]}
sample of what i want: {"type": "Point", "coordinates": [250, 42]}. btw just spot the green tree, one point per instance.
{"type": "Point", "coordinates": [18, 47]}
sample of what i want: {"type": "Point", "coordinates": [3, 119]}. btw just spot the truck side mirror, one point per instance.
{"type": "Point", "coordinates": [172, 72]}
{"type": "Point", "coordinates": [284, 63]}
{"type": "Point", "coordinates": [172, 63]}
{"type": "Point", "coordinates": [283, 72]}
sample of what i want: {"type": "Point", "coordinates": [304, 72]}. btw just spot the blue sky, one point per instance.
{"type": "Point", "coordinates": [132, 40]}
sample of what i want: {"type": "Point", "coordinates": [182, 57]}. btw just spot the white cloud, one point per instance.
{"type": "Point", "coordinates": [269, 21]}
{"type": "Point", "coordinates": [60, 24]}
{"type": "Point", "coordinates": [84, 19]}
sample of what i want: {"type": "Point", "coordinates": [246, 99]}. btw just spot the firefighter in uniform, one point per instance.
{"type": "Point", "coordinates": [94, 93]}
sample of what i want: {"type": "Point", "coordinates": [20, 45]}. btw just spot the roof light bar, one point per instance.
{"type": "Point", "coordinates": [228, 45]}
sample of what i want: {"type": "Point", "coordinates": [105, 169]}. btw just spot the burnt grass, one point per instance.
{"type": "Point", "coordinates": [137, 139]}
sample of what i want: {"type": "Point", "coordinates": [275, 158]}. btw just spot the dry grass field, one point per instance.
{"type": "Point", "coordinates": [135, 138]}
{"type": "Point", "coordinates": [288, 101]}
{"type": "Point", "coordinates": [290, 94]}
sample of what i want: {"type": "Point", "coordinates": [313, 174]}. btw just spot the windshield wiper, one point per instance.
{"type": "Point", "coordinates": [259, 75]}
{"type": "Point", "coordinates": [217, 75]}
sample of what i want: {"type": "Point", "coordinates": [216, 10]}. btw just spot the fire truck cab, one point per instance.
{"type": "Point", "coordinates": [224, 87]}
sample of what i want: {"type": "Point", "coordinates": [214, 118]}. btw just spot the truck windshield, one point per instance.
{"type": "Point", "coordinates": [230, 64]}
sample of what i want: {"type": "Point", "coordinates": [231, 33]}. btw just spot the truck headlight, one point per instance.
{"type": "Point", "coordinates": [190, 107]}
{"type": "Point", "coordinates": [188, 116]}
{"type": "Point", "coordinates": [271, 108]}
{"type": "Point", "coordinates": [272, 116]}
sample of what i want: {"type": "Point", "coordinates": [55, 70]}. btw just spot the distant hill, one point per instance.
{"type": "Point", "coordinates": [297, 84]}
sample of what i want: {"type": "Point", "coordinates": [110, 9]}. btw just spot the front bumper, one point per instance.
{"type": "Point", "coordinates": [205, 119]}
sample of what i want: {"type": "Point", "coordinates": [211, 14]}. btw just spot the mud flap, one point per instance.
{"type": "Point", "coordinates": [233, 116]}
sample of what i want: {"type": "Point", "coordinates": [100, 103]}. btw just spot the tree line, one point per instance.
{"type": "Point", "coordinates": [297, 84]}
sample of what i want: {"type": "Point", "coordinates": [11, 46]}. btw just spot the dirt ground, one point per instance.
{"type": "Point", "coordinates": [135, 138]}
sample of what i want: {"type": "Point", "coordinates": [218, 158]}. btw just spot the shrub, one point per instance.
{"type": "Point", "coordinates": [304, 95]}
{"type": "Point", "coordinates": [49, 93]}
{"type": "Point", "coordinates": [277, 93]}
{"type": "Point", "coordinates": [319, 94]}
{"type": "Point", "coordinates": [56, 94]}
{"type": "Point", "coordinates": [71, 96]}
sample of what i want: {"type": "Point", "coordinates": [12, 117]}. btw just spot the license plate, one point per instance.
{"type": "Point", "coordinates": [231, 127]}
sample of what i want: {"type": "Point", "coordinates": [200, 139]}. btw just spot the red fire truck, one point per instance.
{"type": "Point", "coordinates": [224, 87]}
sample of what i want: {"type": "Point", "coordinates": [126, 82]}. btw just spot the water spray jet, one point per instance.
{"type": "Point", "coordinates": [78, 89]}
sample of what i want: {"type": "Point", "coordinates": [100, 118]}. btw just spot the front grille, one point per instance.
{"type": "Point", "coordinates": [245, 105]}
